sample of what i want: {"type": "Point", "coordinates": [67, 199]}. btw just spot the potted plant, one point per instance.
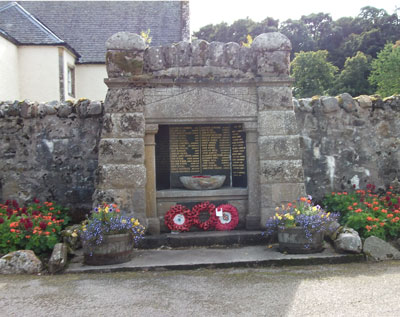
{"type": "Point", "coordinates": [108, 236]}
{"type": "Point", "coordinates": [300, 226]}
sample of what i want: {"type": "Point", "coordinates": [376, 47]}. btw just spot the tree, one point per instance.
{"type": "Point", "coordinates": [237, 31]}
{"type": "Point", "coordinates": [386, 70]}
{"type": "Point", "coordinates": [313, 74]}
{"type": "Point", "coordinates": [353, 79]}
{"type": "Point", "coordinates": [299, 36]}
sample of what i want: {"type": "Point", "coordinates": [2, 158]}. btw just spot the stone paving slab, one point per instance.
{"type": "Point", "coordinates": [215, 257]}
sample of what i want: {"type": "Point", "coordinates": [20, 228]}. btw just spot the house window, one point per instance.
{"type": "Point", "coordinates": [71, 81]}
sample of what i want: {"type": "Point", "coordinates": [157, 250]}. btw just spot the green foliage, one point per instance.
{"type": "Point", "coordinates": [367, 212]}
{"type": "Point", "coordinates": [36, 227]}
{"type": "Point", "coordinates": [386, 70]}
{"type": "Point", "coordinates": [314, 75]}
{"type": "Point", "coordinates": [237, 31]}
{"type": "Point", "coordinates": [353, 78]}
{"type": "Point", "coordinates": [343, 39]}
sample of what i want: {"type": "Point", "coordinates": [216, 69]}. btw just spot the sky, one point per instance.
{"type": "Point", "coordinates": [203, 12]}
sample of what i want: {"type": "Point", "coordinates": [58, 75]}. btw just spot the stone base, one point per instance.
{"type": "Point", "coordinates": [253, 222]}
{"type": "Point", "coordinates": [153, 225]}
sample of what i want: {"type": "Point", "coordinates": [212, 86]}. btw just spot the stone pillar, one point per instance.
{"type": "Point", "coordinates": [153, 222]}
{"type": "Point", "coordinates": [121, 175]}
{"type": "Point", "coordinates": [253, 216]}
{"type": "Point", "coordinates": [281, 169]}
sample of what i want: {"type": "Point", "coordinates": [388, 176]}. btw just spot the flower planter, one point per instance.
{"type": "Point", "coordinates": [293, 240]}
{"type": "Point", "coordinates": [114, 249]}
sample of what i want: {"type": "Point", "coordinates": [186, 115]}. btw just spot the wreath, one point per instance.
{"type": "Point", "coordinates": [229, 218]}
{"type": "Point", "coordinates": [212, 219]}
{"type": "Point", "coordinates": [179, 218]}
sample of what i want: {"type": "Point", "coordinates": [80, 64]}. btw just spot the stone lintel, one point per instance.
{"type": "Point", "coordinates": [152, 82]}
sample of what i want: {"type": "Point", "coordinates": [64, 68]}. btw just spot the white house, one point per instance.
{"type": "Point", "coordinates": [55, 50]}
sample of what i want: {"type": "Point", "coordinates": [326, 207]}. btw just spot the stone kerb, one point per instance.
{"type": "Point", "coordinates": [267, 57]}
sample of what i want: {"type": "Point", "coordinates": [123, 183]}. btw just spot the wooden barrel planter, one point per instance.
{"type": "Point", "coordinates": [114, 249]}
{"type": "Point", "coordinates": [293, 240]}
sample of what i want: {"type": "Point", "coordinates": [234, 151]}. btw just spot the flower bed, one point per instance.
{"type": "Point", "coordinates": [369, 213]}
{"type": "Point", "coordinates": [35, 227]}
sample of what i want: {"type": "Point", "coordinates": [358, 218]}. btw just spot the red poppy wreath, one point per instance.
{"type": "Point", "coordinates": [179, 218]}
{"type": "Point", "coordinates": [210, 209]}
{"type": "Point", "coordinates": [229, 219]}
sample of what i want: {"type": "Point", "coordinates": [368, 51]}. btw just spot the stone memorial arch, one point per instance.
{"type": "Point", "coordinates": [199, 108]}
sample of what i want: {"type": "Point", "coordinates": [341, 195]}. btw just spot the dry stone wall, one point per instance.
{"type": "Point", "coordinates": [50, 151]}
{"type": "Point", "coordinates": [349, 143]}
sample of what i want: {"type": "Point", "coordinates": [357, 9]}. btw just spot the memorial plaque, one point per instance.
{"type": "Point", "coordinates": [162, 158]}
{"type": "Point", "coordinates": [239, 166]}
{"type": "Point", "coordinates": [201, 150]}
{"type": "Point", "coordinates": [216, 151]}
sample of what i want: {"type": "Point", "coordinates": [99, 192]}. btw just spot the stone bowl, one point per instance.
{"type": "Point", "coordinates": [202, 182]}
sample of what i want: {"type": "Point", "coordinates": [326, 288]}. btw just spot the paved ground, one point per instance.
{"type": "Point", "coordinates": [356, 289]}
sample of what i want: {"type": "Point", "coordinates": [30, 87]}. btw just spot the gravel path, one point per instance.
{"type": "Point", "coordinates": [358, 289]}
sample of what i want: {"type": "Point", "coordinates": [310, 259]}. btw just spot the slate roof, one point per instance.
{"type": "Point", "coordinates": [18, 24]}
{"type": "Point", "coordinates": [86, 25]}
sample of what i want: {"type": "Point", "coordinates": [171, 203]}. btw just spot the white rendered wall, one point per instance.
{"type": "Point", "coordinates": [9, 87]}
{"type": "Point", "coordinates": [90, 81]}
{"type": "Point", "coordinates": [39, 73]}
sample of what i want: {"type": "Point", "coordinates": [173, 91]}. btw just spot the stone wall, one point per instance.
{"type": "Point", "coordinates": [349, 143]}
{"type": "Point", "coordinates": [50, 151]}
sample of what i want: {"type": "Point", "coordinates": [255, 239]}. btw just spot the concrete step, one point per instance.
{"type": "Point", "coordinates": [214, 257]}
{"type": "Point", "coordinates": [204, 238]}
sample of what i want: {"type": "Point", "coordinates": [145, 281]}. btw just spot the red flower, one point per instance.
{"type": "Point", "coordinates": [28, 224]}
{"type": "Point", "coordinates": [15, 204]}
{"type": "Point", "coordinates": [1, 220]}
{"type": "Point", "coordinates": [9, 212]}
{"type": "Point", "coordinates": [42, 225]}
{"type": "Point", "coordinates": [36, 201]}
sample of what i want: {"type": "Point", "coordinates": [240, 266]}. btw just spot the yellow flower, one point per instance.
{"type": "Point", "coordinates": [136, 223]}
{"type": "Point", "coordinates": [314, 208]}
{"type": "Point", "coordinates": [123, 221]}
{"type": "Point", "coordinates": [74, 235]}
